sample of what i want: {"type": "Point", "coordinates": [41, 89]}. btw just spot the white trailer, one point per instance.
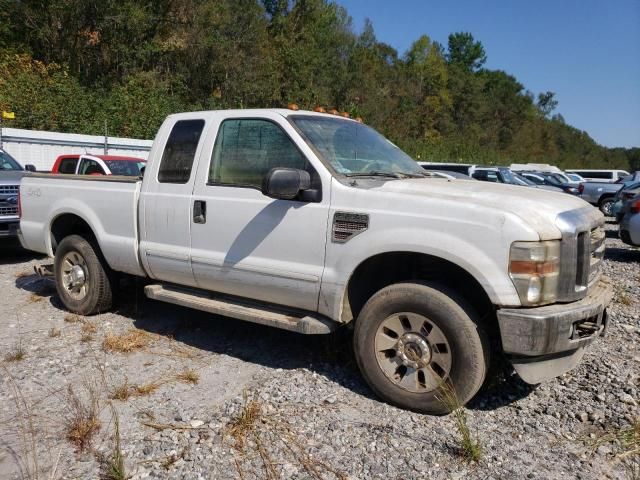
{"type": "Point", "coordinates": [41, 148]}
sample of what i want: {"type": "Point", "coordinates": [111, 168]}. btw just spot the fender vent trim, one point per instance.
{"type": "Point", "coordinates": [347, 225]}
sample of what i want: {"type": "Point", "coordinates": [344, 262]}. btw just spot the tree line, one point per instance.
{"type": "Point", "coordinates": [123, 65]}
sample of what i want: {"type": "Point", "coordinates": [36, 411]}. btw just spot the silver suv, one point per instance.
{"type": "Point", "coordinates": [10, 174]}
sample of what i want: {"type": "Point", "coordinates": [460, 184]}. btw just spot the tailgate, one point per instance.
{"type": "Point", "coordinates": [53, 205]}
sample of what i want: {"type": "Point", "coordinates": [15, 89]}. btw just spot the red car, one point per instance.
{"type": "Point", "coordinates": [99, 165]}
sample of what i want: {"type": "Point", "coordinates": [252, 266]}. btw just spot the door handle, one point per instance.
{"type": "Point", "coordinates": [199, 211]}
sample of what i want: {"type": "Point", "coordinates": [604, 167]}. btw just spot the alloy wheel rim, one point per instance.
{"type": "Point", "coordinates": [413, 352]}
{"type": "Point", "coordinates": [75, 275]}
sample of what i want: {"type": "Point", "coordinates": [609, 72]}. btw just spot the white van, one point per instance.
{"type": "Point", "coordinates": [607, 176]}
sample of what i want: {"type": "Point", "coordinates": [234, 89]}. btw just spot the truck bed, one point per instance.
{"type": "Point", "coordinates": [108, 203]}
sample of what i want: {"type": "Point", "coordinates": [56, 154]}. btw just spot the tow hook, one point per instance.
{"type": "Point", "coordinates": [44, 271]}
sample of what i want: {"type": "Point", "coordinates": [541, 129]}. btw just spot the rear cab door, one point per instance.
{"type": "Point", "coordinates": [165, 199]}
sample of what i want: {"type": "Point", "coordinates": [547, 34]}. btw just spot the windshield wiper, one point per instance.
{"type": "Point", "coordinates": [375, 173]}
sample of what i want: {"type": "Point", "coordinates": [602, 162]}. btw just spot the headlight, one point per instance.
{"type": "Point", "coordinates": [534, 269]}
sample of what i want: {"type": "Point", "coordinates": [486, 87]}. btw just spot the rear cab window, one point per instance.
{"type": "Point", "coordinates": [179, 152]}
{"type": "Point", "coordinates": [68, 165]}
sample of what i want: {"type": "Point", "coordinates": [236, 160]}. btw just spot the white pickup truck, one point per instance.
{"type": "Point", "coordinates": [309, 221]}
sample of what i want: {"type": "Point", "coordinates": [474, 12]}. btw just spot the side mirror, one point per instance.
{"type": "Point", "coordinates": [285, 183]}
{"type": "Point", "coordinates": [30, 168]}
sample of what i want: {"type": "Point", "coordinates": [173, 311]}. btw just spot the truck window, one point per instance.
{"type": "Point", "coordinates": [179, 153]}
{"type": "Point", "coordinates": [68, 165]}
{"type": "Point", "coordinates": [246, 150]}
{"type": "Point", "coordinates": [90, 167]}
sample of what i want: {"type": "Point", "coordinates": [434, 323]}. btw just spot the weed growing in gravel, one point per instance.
{"type": "Point", "coordinates": [188, 376]}
{"type": "Point", "coordinates": [127, 342]}
{"type": "Point", "coordinates": [82, 422]}
{"type": "Point", "coordinates": [121, 392]}
{"type": "Point", "coordinates": [54, 332]}
{"type": "Point", "coordinates": [624, 298]}
{"type": "Point", "coordinates": [147, 388]}
{"type": "Point", "coordinates": [470, 447]}
{"type": "Point", "coordinates": [627, 438]}
{"type": "Point", "coordinates": [72, 318]}
{"type": "Point", "coordinates": [16, 354]}
{"type": "Point", "coordinates": [35, 298]}
{"type": "Point", "coordinates": [243, 423]}
{"type": "Point", "coordinates": [88, 327]}
{"type": "Point", "coordinates": [112, 467]}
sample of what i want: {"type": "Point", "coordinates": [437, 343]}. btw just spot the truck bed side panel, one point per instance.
{"type": "Point", "coordinates": [107, 204]}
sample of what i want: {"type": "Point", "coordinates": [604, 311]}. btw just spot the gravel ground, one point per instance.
{"type": "Point", "coordinates": [212, 397]}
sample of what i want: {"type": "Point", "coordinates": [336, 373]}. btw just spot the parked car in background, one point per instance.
{"type": "Point", "coordinates": [609, 176]}
{"type": "Point", "coordinates": [626, 193]}
{"type": "Point", "coordinates": [447, 167]}
{"type": "Point", "coordinates": [308, 221]}
{"type": "Point", "coordinates": [630, 222]}
{"type": "Point", "coordinates": [505, 175]}
{"type": "Point", "coordinates": [574, 177]}
{"type": "Point", "coordinates": [98, 165]}
{"type": "Point", "coordinates": [556, 180]}
{"type": "Point", "coordinates": [10, 174]}
{"type": "Point", "coordinates": [603, 194]}
{"type": "Point", "coordinates": [448, 175]}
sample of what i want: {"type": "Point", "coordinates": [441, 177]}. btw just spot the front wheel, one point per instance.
{"type": "Point", "coordinates": [412, 339]}
{"type": "Point", "coordinates": [606, 206]}
{"type": "Point", "coordinates": [83, 279]}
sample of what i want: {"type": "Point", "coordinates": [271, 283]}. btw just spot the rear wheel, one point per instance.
{"type": "Point", "coordinates": [83, 279]}
{"type": "Point", "coordinates": [606, 206]}
{"type": "Point", "coordinates": [411, 339]}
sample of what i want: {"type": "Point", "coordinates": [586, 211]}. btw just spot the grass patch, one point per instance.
{"type": "Point", "coordinates": [16, 354]}
{"type": "Point", "coordinates": [188, 376]}
{"type": "Point", "coordinates": [54, 332]}
{"type": "Point", "coordinates": [82, 421]}
{"type": "Point", "coordinates": [127, 342]}
{"type": "Point", "coordinates": [121, 392]}
{"type": "Point", "coordinates": [469, 445]}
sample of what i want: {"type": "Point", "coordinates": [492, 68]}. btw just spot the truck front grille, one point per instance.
{"type": "Point", "coordinates": [9, 189]}
{"type": "Point", "coordinates": [8, 211]}
{"type": "Point", "coordinates": [582, 252]}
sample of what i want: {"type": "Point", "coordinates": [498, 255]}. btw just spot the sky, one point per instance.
{"type": "Point", "coordinates": [586, 51]}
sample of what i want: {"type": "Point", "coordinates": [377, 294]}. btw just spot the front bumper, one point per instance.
{"type": "Point", "coordinates": [544, 342]}
{"type": "Point", "coordinates": [9, 228]}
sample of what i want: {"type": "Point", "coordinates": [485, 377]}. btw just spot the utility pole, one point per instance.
{"type": "Point", "coordinates": [106, 139]}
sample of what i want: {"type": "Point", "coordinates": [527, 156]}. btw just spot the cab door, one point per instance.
{"type": "Point", "coordinates": [247, 244]}
{"type": "Point", "coordinates": [165, 202]}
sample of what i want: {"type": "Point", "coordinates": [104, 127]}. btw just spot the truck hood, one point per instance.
{"type": "Point", "coordinates": [11, 177]}
{"type": "Point", "coordinates": [535, 207]}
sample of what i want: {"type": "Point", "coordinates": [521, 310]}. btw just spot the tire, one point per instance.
{"type": "Point", "coordinates": [452, 328]}
{"type": "Point", "coordinates": [605, 206]}
{"type": "Point", "coordinates": [84, 281]}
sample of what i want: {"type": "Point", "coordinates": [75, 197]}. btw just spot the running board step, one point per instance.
{"type": "Point", "coordinates": [242, 310]}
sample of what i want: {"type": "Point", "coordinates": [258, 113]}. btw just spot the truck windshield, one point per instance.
{"type": "Point", "coordinates": [129, 168]}
{"type": "Point", "coordinates": [354, 149]}
{"type": "Point", "coordinates": [8, 163]}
